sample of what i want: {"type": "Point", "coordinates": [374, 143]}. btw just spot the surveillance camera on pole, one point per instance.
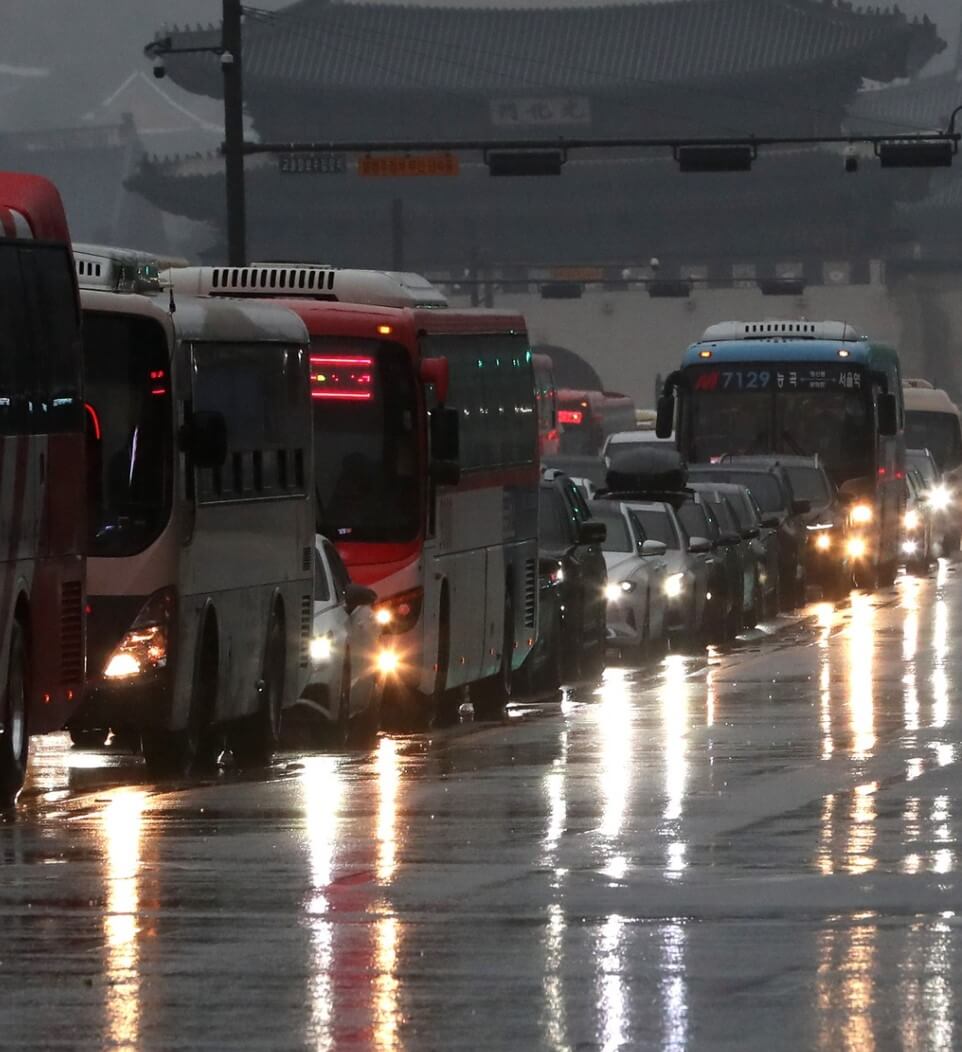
{"type": "Point", "coordinates": [160, 68]}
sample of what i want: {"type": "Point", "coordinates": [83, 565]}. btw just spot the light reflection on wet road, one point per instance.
{"type": "Point", "coordinates": [749, 849]}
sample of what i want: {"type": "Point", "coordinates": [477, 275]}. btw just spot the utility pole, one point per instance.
{"type": "Point", "coordinates": [234, 134]}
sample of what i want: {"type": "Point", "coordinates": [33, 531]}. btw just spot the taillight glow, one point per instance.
{"type": "Point", "coordinates": [95, 419]}
{"type": "Point", "coordinates": [342, 377]}
{"type": "Point", "coordinates": [570, 416]}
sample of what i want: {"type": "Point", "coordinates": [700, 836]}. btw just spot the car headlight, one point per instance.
{"type": "Point", "coordinates": [909, 546]}
{"type": "Point", "coordinates": [387, 661]}
{"type": "Point", "coordinates": [321, 649]}
{"type": "Point", "coordinates": [674, 585]}
{"type": "Point", "coordinates": [823, 542]}
{"type": "Point", "coordinates": [862, 514]}
{"type": "Point", "coordinates": [939, 497]}
{"type": "Point", "coordinates": [144, 647]}
{"type": "Point", "coordinates": [912, 519]}
{"type": "Point", "coordinates": [856, 548]}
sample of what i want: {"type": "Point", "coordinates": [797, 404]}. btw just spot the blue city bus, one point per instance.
{"type": "Point", "coordinates": [802, 388]}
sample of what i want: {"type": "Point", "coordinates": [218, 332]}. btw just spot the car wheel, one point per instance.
{"type": "Point", "coordinates": [341, 728]}
{"type": "Point", "coordinates": [14, 742]}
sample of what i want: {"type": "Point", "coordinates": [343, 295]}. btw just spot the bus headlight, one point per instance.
{"type": "Point", "coordinates": [399, 613]}
{"type": "Point", "coordinates": [674, 585]}
{"type": "Point", "coordinates": [321, 649]}
{"type": "Point", "coordinates": [387, 661]}
{"type": "Point", "coordinates": [144, 647]}
{"type": "Point", "coordinates": [856, 548]}
{"type": "Point", "coordinates": [939, 497]}
{"type": "Point", "coordinates": [862, 514]}
{"type": "Point", "coordinates": [912, 519]}
{"type": "Point", "coordinates": [909, 546]}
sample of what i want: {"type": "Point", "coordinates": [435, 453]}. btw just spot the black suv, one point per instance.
{"type": "Point", "coordinates": [573, 609]}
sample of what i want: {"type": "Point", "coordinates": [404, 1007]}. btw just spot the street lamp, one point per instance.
{"type": "Point", "coordinates": [228, 49]}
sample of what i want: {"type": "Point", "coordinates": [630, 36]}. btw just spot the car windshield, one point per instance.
{"type": "Point", "coordinates": [762, 486]}
{"type": "Point", "coordinates": [366, 451]}
{"type": "Point", "coordinates": [756, 411]}
{"type": "Point", "coordinates": [939, 433]}
{"type": "Point", "coordinates": [695, 521]}
{"type": "Point", "coordinates": [809, 484]}
{"type": "Point", "coordinates": [923, 466]}
{"type": "Point", "coordinates": [657, 526]}
{"type": "Point", "coordinates": [619, 537]}
{"type": "Point", "coordinates": [129, 432]}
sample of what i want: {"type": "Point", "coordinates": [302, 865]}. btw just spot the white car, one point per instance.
{"type": "Point", "coordinates": [347, 661]}
{"type": "Point", "coordinates": [622, 440]}
{"type": "Point", "coordinates": [637, 571]}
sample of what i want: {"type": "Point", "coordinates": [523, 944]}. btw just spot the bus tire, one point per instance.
{"type": "Point", "coordinates": [15, 742]}
{"type": "Point", "coordinates": [254, 739]}
{"type": "Point", "coordinates": [447, 705]}
{"type": "Point", "coordinates": [340, 729]}
{"type": "Point", "coordinates": [179, 753]}
{"type": "Point", "coordinates": [490, 696]}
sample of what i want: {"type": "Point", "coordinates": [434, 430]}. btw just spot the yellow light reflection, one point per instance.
{"type": "Point", "coordinates": [387, 1017]}
{"type": "Point", "coordinates": [388, 781]}
{"type": "Point", "coordinates": [940, 654]}
{"type": "Point", "coordinates": [122, 821]}
{"type": "Point", "coordinates": [614, 722]}
{"type": "Point", "coordinates": [554, 1006]}
{"type": "Point", "coordinates": [674, 715]}
{"type": "Point", "coordinates": [845, 985]}
{"type": "Point", "coordinates": [555, 790]}
{"type": "Point", "coordinates": [321, 785]}
{"type": "Point", "coordinates": [824, 860]}
{"type": "Point", "coordinates": [862, 830]}
{"type": "Point", "coordinates": [861, 659]}
{"type": "Point", "coordinates": [612, 995]}
{"type": "Point", "coordinates": [927, 999]}
{"type": "Point", "coordinates": [674, 989]}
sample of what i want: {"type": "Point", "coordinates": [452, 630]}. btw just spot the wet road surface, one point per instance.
{"type": "Point", "coordinates": [749, 850]}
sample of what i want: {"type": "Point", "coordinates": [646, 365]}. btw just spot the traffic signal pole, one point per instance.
{"type": "Point", "coordinates": [234, 134]}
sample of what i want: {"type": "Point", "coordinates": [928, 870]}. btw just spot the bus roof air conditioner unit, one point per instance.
{"type": "Point", "coordinates": [836, 331]}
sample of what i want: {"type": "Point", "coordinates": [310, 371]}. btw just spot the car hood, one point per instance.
{"type": "Point", "coordinates": [622, 562]}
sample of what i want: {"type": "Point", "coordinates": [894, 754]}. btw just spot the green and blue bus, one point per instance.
{"type": "Point", "coordinates": [802, 388]}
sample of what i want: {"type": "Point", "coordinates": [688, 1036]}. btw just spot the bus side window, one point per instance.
{"type": "Point", "coordinates": [15, 356]}
{"type": "Point", "coordinates": [49, 294]}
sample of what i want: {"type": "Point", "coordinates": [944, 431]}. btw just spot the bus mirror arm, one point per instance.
{"type": "Point", "coordinates": [435, 371]}
{"type": "Point", "coordinates": [665, 416]}
{"type": "Point", "coordinates": [445, 425]}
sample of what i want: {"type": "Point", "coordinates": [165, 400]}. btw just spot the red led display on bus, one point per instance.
{"type": "Point", "coordinates": [346, 378]}
{"type": "Point", "coordinates": [570, 416]}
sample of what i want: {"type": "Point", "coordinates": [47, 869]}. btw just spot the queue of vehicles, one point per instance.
{"type": "Point", "coordinates": [238, 496]}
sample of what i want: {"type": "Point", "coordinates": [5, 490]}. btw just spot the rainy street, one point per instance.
{"type": "Point", "coordinates": [701, 854]}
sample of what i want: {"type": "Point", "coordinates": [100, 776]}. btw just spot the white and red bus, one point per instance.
{"type": "Point", "coordinates": [426, 467]}
{"type": "Point", "coordinates": [42, 496]}
{"type": "Point", "coordinates": [201, 520]}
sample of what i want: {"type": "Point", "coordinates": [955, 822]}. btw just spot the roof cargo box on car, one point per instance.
{"type": "Point", "coordinates": [649, 468]}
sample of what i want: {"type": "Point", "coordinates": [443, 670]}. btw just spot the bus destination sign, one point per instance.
{"type": "Point", "coordinates": [312, 164]}
{"type": "Point", "coordinates": [776, 376]}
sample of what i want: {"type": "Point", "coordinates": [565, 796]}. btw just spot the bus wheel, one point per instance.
{"type": "Point", "coordinates": [179, 753]}
{"type": "Point", "coordinates": [253, 739]}
{"type": "Point", "coordinates": [341, 727]}
{"type": "Point", "coordinates": [447, 708]}
{"type": "Point", "coordinates": [489, 696]}
{"type": "Point", "coordinates": [14, 742]}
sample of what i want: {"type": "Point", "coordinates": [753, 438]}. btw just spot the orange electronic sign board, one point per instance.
{"type": "Point", "coordinates": [408, 164]}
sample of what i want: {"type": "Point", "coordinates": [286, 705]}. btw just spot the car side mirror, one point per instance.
{"type": "Point", "coordinates": [653, 548]}
{"type": "Point", "coordinates": [356, 595]}
{"type": "Point", "coordinates": [888, 415]}
{"type": "Point", "coordinates": [665, 416]}
{"type": "Point", "coordinates": [445, 434]}
{"type": "Point", "coordinates": [592, 532]}
{"type": "Point", "coordinates": [204, 439]}
{"type": "Point", "coordinates": [771, 521]}
{"type": "Point", "coordinates": [699, 545]}
{"type": "Point", "coordinates": [801, 507]}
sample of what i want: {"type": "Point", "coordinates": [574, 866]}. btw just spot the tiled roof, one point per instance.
{"type": "Point", "coordinates": [383, 47]}
{"type": "Point", "coordinates": [921, 105]}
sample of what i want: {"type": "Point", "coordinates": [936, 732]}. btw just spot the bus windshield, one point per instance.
{"type": "Point", "coordinates": [760, 411]}
{"type": "Point", "coordinates": [129, 429]}
{"type": "Point", "coordinates": [939, 433]}
{"type": "Point", "coordinates": [366, 453]}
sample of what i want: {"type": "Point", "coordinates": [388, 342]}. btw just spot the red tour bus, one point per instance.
{"type": "Point", "coordinates": [587, 418]}
{"type": "Point", "coordinates": [426, 468]}
{"type": "Point", "coordinates": [42, 497]}
{"type": "Point", "coordinates": [546, 400]}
